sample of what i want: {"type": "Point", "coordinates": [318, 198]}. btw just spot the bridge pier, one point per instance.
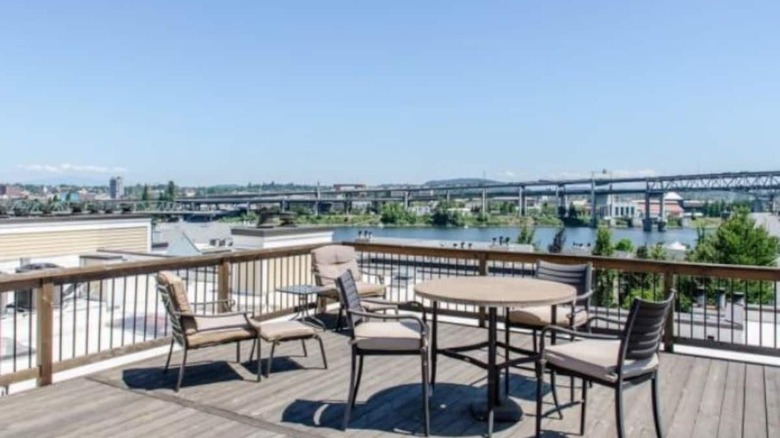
{"type": "Point", "coordinates": [406, 201]}
{"type": "Point", "coordinates": [520, 202]}
{"type": "Point", "coordinates": [484, 201]}
{"type": "Point", "coordinates": [594, 215]}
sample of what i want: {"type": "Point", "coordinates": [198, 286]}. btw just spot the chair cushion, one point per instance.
{"type": "Point", "coordinates": [388, 336]}
{"type": "Point", "coordinates": [217, 322]}
{"type": "Point", "coordinates": [281, 330]}
{"type": "Point", "coordinates": [597, 358]}
{"type": "Point", "coordinates": [213, 337]}
{"type": "Point", "coordinates": [364, 290]}
{"type": "Point", "coordinates": [377, 305]}
{"type": "Point", "coordinates": [330, 261]}
{"type": "Point", "coordinates": [542, 316]}
{"type": "Point", "coordinates": [178, 295]}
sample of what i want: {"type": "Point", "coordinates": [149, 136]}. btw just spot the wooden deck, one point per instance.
{"type": "Point", "coordinates": [701, 397]}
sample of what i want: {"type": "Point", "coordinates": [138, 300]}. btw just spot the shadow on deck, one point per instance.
{"type": "Point", "coordinates": [700, 397]}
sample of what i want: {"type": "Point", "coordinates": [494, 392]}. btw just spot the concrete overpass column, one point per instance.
{"type": "Point", "coordinates": [594, 216]}
{"type": "Point", "coordinates": [447, 194]}
{"type": "Point", "coordinates": [484, 201]}
{"type": "Point", "coordinates": [520, 202]}
{"type": "Point", "coordinates": [661, 213]}
{"type": "Point", "coordinates": [406, 200]}
{"type": "Point", "coordinates": [647, 221]}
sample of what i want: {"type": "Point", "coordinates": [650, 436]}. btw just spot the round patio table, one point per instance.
{"type": "Point", "coordinates": [491, 293]}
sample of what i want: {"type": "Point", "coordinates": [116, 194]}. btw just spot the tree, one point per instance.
{"type": "Point", "coordinates": [603, 245]}
{"type": "Point", "coordinates": [444, 215]}
{"type": "Point", "coordinates": [393, 213]}
{"type": "Point", "coordinates": [67, 197]}
{"type": "Point", "coordinates": [559, 240]}
{"type": "Point", "coordinates": [145, 193]}
{"type": "Point", "coordinates": [170, 191]}
{"type": "Point", "coordinates": [526, 236]}
{"type": "Point", "coordinates": [573, 212]}
{"type": "Point", "coordinates": [624, 245]}
{"type": "Point", "coordinates": [738, 241]}
{"type": "Point", "coordinates": [605, 279]}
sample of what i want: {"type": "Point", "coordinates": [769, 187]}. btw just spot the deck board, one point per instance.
{"type": "Point", "coordinates": [700, 397]}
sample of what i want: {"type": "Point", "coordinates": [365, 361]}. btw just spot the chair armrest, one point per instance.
{"type": "Point", "coordinates": [421, 309]}
{"type": "Point", "coordinates": [574, 333]}
{"type": "Point", "coordinates": [585, 296]}
{"type": "Point", "coordinates": [423, 325]}
{"type": "Point", "coordinates": [605, 319]}
{"type": "Point", "coordinates": [230, 303]}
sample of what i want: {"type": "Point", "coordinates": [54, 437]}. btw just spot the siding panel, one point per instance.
{"type": "Point", "coordinates": [53, 243]}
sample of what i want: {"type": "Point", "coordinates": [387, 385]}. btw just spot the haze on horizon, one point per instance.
{"type": "Point", "coordinates": [397, 92]}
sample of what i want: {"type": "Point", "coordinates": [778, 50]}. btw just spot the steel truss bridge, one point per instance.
{"type": "Point", "coordinates": [762, 185]}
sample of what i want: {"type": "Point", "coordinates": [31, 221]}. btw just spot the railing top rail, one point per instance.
{"type": "Point", "coordinates": [10, 282]}
{"type": "Point", "coordinates": [739, 272]}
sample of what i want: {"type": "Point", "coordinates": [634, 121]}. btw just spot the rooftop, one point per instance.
{"type": "Point", "coordinates": [700, 397]}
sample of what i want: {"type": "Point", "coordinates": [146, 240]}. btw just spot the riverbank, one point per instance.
{"type": "Point", "coordinates": [475, 221]}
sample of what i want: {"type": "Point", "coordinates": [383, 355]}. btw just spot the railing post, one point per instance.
{"type": "Point", "coordinates": [223, 284]}
{"type": "Point", "coordinates": [669, 328]}
{"type": "Point", "coordinates": [483, 271]}
{"type": "Point", "coordinates": [44, 353]}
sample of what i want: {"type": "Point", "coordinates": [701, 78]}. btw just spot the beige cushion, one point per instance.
{"type": "Point", "coordinates": [279, 331]}
{"type": "Point", "coordinates": [542, 316]}
{"type": "Point", "coordinates": [200, 339]}
{"type": "Point", "coordinates": [377, 305]}
{"type": "Point", "coordinates": [228, 321]}
{"type": "Point", "coordinates": [178, 295]}
{"type": "Point", "coordinates": [388, 336]}
{"type": "Point", "coordinates": [329, 262]}
{"type": "Point", "coordinates": [597, 358]}
{"type": "Point", "coordinates": [364, 290]}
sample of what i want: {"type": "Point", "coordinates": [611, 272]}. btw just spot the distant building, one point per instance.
{"type": "Point", "coordinates": [8, 191]}
{"type": "Point", "coordinates": [116, 187]}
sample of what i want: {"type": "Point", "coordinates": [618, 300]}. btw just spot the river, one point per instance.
{"type": "Point", "coordinates": [542, 236]}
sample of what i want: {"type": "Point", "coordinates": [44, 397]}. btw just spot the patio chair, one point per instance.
{"type": "Point", "coordinates": [192, 330]}
{"type": "Point", "coordinates": [573, 315]}
{"type": "Point", "coordinates": [331, 261]}
{"type": "Point", "coordinates": [394, 335]}
{"type": "Point", "coordinates": [614, 361]}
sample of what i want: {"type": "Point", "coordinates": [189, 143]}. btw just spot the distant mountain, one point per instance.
{"type": "Point", "coordinates": [70, 180]}
{"type": "Point", "coordinates": [460, 182]}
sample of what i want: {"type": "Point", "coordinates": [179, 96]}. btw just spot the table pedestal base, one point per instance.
{"type": "Point", "coordinates": [506, 412]}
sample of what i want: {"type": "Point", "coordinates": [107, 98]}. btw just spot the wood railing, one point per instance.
{"type": "Point", "coordinates": [71, 329]}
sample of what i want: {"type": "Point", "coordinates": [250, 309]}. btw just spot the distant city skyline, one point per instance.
{"type": "Point", "coordinates": [401, 92]}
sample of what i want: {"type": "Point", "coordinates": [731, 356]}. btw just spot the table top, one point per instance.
{"type": "Point", "coordinates": [302, 289]}
{"type": "Point", "coordinates": [496, 291]}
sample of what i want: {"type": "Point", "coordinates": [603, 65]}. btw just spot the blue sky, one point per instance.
{"type": "Point", "coordinates": [395, 91]}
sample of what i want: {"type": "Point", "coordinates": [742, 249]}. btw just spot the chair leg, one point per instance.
{"type": "Point", "coordinates": [506, 351]}
{"type": "Point", "coordinates": [259, 367]}
{"type": "Point", "coordinates": [571, 379]}
{"type": "Point", "coordinates": [270, 361]}
{"type": "Point", "coordinates": [619, 410]}
{"type": "Point", "coordinates": [181, 370]}
{"type": "Point", "coordinates": [539, 384]}
{"type": "Point", "coordinates": [657, 407]}
{"type": "Point", "coordinates": [426, 394]}
{"type": "Point", "coordinates": [555, 395]}
{"type": "Point", "coordinates": [252, 351]}
{"type": "Point", "coordinates": [322, 352]}
{"type": "Point", "coordinates": [536, 349]}
{"type": "Point", "coordinates": [584, 405]}
{"type": "Point", "coordinates": [168, 362]}
{"type": "Point", "coordinates": [340, 319]}
{"type": "Point", "coordinates": [357, 382]}
{"type": "Point", "coordinates": [351, 394]}
{"type": "Point", "coordinates": [238, 352]}
{"type": "Point", "coordinates": [303, 344]}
